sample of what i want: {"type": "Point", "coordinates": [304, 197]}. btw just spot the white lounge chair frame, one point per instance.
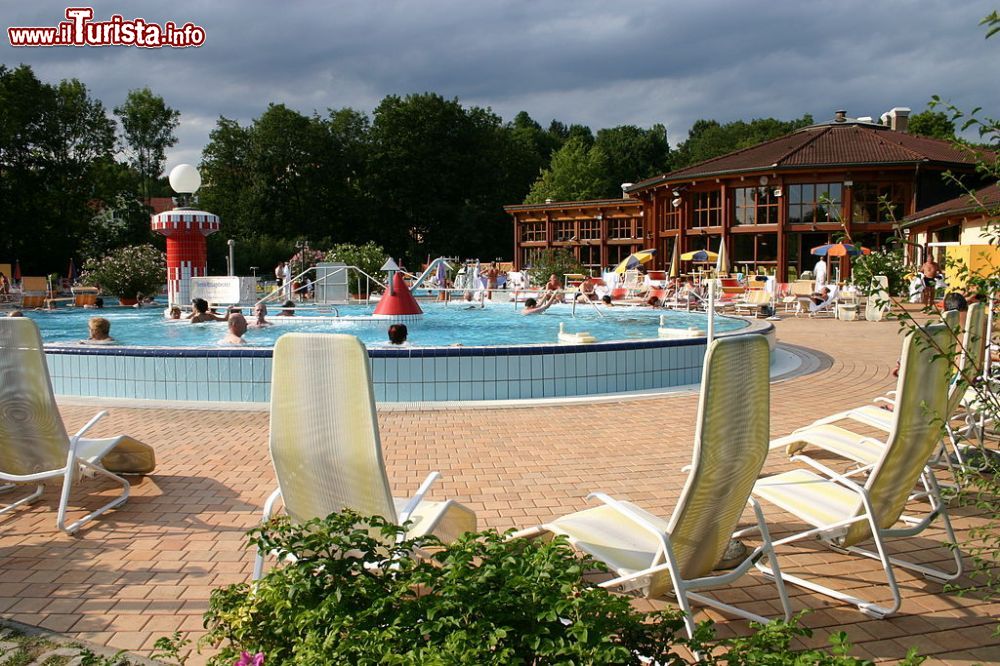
{"type": "Point", "coordinates": [325, 443]}
{"type": "Point", "coordinates": [32, 435]}
{"type": "Point", "coordinates": [866, 450]}
{"type": "Point", "coordinates": [877, 505]}
{"type": "Point", "coordinates": [730, 449]}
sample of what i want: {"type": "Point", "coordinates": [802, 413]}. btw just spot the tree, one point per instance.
{"type": "Point", "coordinates": [933, 124]}
{"type": "Point", "coordinates": [633, 154]}
{"type": "Point", "coordinates": [148, 126]}
{"type": "Point", "coordinates": [439, 176]}
{"type": "Point", "coordinates": [709, 138]}
{"type": "Point", "coordinates": [576, 172]}
{"type": "Point", "coordinates": [56, 141]}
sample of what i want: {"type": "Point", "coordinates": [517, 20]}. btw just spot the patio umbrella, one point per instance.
{"type": "Point", "coordinates": [722, 263]}
{"type": "Point", "coordinates": [17, 270]}
{"type": "Point", "coordinates": [71, 271]}
{"type": "Point", "coordinates": [700, 256]}
{"type": "Point", "coordinates": [675, 260]}
{"type": "Point", "coordinates": [634, 259]}
{"type": "Point", "coordinates": [839, 250]}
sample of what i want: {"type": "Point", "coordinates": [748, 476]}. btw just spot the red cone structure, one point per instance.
{"type": "Point", "coordinates": [397, 302]}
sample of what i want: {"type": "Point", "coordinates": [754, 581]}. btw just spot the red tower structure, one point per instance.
{"type": "Point", "coordinates": [186, 230]}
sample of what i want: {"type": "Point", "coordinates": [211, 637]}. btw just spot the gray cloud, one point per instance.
{"type": "Point", "coordinates": [584, 61]}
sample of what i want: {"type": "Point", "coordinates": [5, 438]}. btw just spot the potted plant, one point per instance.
{"type": "Point", "coordinates": [127, 272]}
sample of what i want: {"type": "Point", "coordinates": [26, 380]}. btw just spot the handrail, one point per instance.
{"type": "Point", "coordinates": [281, 289]}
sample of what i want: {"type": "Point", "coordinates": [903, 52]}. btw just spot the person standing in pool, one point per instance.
{"type": "Point", "coordinates": [260, 311]}
{"type": "Point", "coordinates": [200, 312]}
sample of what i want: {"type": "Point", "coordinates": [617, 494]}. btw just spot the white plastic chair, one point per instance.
{"type": "Point", "coordinates": [844, 512]}
{"type": "Point", "coordinates": [656, 557]}
{"type": "Point", "coordinates": [34, 445]}
{"type": "Point", "coordinates": [325, 444]}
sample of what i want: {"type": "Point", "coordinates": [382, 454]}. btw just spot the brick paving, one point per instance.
{"type": "Point", "coordinates": [147, 569]}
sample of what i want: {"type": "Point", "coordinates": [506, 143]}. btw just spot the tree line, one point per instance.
{"type": "Point", "coordinates": [421, 175]}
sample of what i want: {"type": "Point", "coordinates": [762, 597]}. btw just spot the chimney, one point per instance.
{"type": "Point", "coordinates": [899, 118]}
{"type": "Point", "coordinates": [625, 187]}
{"type": "Point", "coordinates": [839, 116]}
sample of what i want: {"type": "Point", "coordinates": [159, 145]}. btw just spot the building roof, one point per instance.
{"type": "Point", "coordinates": [835, 144]}
{"type": "Point", "coordinates": [980, 201]}
{"type": "Point", "coordinates": [588, 203]}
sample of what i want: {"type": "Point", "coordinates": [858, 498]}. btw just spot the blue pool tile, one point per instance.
{"type": "Point", "coordinates": [390, 393]}
{"type": "Point", "coordinates": [213, 391]}
{"type": "Point", "coordinates": [454, 389]}
{"type": "Point", "coordinates": [465, 371]}
{"type": "Point", "coordinates": [502, 373]}
{"type": "Point", "coordinates": [527, 370]}
{"type": "Point", "coordinates": [478, 391]}
{"type": "Point", "coordinates": [392, 369]}
{"type": "Point", "coordinates": [489, 391]}
{"type": "Point", "coordinates": [445, 369]}
{"type": "Point", "coordinates": [536, 389]}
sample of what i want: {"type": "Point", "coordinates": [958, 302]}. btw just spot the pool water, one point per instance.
{"type": "Point", "coordinates": [441, 325]}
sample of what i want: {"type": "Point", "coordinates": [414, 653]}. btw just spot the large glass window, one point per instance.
{"type": "Point", "coordinates": [529, 255]}
{"type": "Point", "coordinates": [532, 231]}
{"type": "Point", "coordinates": [707, 211]}
{"type": "Point", "coordinates": [669, 217]}
{"type": "Point", "coordinates": [879, 202]}
{"type": "Point", "coordinates": [810, 203]}
{"type": "Point", "coordinates": [565, 230]}
{"type": "Point", "coordinates": [755, 251]}
{"type": "Point", "coordinates": [619, 227]}
{"type": "Point", "coordinates": [590, 229]}
{"type": "Point", "coordinates": [590, 256]}
{"type": "Point", "coordinates": [618, 254]}
{"type": "Point", "coordinates": [755, 205]}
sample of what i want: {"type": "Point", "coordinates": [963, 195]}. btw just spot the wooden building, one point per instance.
{"type": "Point", "coordinates": [769, 203]}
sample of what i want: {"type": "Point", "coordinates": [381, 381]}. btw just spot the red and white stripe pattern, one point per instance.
{"type": "Point", "coordinates": [187, 255]}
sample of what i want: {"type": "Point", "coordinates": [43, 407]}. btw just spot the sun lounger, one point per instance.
{"type": "Point", "coordinates": [34, 443]}
{"type": "Point", "coordinates": [844, 511]}
{"type": "Point", "coordinates": [656, 557]}
{"type": "Point", "coordinates": [325, 444]}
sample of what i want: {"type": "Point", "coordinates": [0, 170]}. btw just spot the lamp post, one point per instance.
{"type": "Point", "coordinates": [232, 267]}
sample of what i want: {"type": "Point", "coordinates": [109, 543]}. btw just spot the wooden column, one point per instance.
{"type": "Point", "coordinates": [781, 274]}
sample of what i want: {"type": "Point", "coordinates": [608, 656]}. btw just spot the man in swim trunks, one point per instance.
{"type": "Point", "coordinates": [930, 271]}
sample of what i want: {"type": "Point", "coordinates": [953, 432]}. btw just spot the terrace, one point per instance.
{"type": "Point", "coordinates": [148, 568]}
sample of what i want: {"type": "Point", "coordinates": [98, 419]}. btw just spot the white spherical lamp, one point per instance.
{"type": "Point", "coordinates": [185, 179]}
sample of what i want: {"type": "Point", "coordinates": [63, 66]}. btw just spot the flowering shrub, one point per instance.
{"type": "Point", "coordinates": [368, 257]}
{"type": "Point", "coordinates": [127, 271]}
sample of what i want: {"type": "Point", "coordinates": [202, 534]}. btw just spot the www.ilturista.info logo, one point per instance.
{"type": "Point", "coordinates": [80, 30]}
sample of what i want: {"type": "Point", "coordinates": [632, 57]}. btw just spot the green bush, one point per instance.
{"type": "Point", "coordinates": [888, 262]}
{"type": "Point", "coordinates": [127, 271]}
{"type": "Point", "coordinates": [368, 257]}
{"type": "Point", "coordinates": [356, 596]}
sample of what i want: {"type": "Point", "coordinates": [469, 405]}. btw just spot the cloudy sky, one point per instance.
{"type": "Point", "coordinates": [581, 61]}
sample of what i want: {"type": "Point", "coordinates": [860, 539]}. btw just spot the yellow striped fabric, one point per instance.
{"type": "Point", "coordinates": [729, 451]}
{"type": "Point", "coordinates": [33, 438]}
{"type": "Point", "coordinates": [324, 439]}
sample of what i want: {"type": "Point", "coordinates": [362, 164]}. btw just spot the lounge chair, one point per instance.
{"type": "Point", "coordinates": [866, 450]}
{"type": "Point", "coordinates": [325, 443]}
{"type": "Point", "coordinates": [34, 443]}
{"type": "Point", "coordinates": [753, 301]}
{"type": "Point", "coordinates": [844, 512]}
{"type": "Point", "coordinates": [657, 557]}
{"type": "Point", "coordinates": [878, 303]}
{"type": "Point", "coordinates": [34, 291]}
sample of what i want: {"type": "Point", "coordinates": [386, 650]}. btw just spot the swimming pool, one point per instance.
{"type": "Point", "coordinates": [496, 324]}
{"type": "Point", "coordinates": [503, 355]}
